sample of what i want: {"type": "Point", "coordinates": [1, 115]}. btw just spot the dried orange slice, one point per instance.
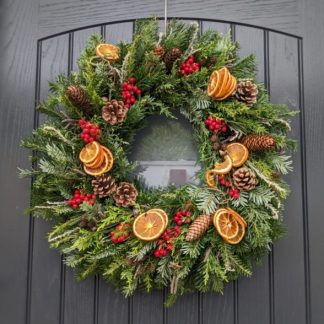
{"type": "Point", "coordinates": [223, 167]}
{"type": "Point", "coordinates": [210, 180]}
{"type": "Point", "coordinates": [97, 162]}
{"type": "Point", "coordinates": [110, 158]}
{"type": "Point", "coordinates": [163, 214]}
{"type": "Point", "coordinates": [149, 226]}
{"type": "Point", "coordinates": [226, 224]}
{"type": "Point", "coordinates": [230, 89]}
{"type": "Point", "coordinates": [224, 83]}
{"type": "Point", "coordinates": [103, 168]}
{"type": "Point", "coordinates": [238, 153]}
{"type": "Point", "coordinates": [90, 152]}
{"type": "Point", "coordinates": [238, 217]}
{"type": "Point", "coordinates": [108, 52]}
{"type": "Point", "coordinates": [212, 86]}
{"type": "Point", "coordinates": [238, 238]}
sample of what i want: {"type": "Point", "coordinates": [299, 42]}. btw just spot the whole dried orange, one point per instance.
{"type": "Point", "coordinates": [108, 52]}
{"type": "Point", "coordinates": [226, 224]}
{"type": "Point", "coordinates": [149, 226]}
{"type": "Point", "coordinates": [210, 178]}
{"type": "Point", "coordinates": [90, 152]}
{"type": "Point", "coordinates": [223, 167]}
{"type": "Point", "coordinates": [238, 153]}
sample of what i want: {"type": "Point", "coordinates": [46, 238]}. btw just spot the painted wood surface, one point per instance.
{"type": "Point", "coordinates": [36, 288]}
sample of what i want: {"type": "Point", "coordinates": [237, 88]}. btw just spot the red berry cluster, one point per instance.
{"type": "Point", "coordinates": [121, 233]}
{"type": "Point", "coordinates": [233, 192]}
{"type": "Point", "coordinates": [216, 124]}
{"type": "Point", "coordinates": [165, 243]}
{"type": "Point", "coordinates": [182, 216]}
{"type": "Point", "coordinates": [79, 198]}
{"type": "Point", "coordinates": [130, 91]}
{"type": "Point", "coordinates": [90, 132]}
{"type": "Point", "coordinates": [189, 66]}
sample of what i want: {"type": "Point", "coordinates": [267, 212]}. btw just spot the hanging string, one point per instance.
{"type": "Point", "coordinates": [165, 16]}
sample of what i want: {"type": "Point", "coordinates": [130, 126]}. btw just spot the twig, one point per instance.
{"type": "Point", "coordinates": [272, 184]}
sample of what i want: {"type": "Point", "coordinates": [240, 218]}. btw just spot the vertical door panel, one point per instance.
{"type": "Point", "coordinates": [253, 300]}
{"type": "Point", "coordinates": [46, 275]}
{"type": "Point", "coordinates": [289, 280]}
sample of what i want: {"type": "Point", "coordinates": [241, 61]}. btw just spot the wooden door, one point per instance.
{"type": "Point", "coordinates": [42, 38]}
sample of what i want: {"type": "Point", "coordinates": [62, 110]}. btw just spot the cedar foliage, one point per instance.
{"type": "Point", "coordinates": [205, 264]}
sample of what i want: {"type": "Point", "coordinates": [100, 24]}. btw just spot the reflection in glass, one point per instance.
{"type": "Point", "coordinates": [166, 152]}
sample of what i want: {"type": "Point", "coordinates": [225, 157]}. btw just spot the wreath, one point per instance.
{"type": "Point", "coordinates": [185, 238]}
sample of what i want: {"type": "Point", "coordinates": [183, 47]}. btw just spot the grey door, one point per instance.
{"type": "Point", "coordinates": [42, 38]}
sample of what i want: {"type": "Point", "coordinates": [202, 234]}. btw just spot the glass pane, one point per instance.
{"type": "Point", "coordinates": [166, 152]}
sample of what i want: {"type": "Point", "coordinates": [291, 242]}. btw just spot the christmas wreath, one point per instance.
{"type": "Point", "coordinates": [191, 237]}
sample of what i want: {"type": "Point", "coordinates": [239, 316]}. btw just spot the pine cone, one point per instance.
{"type": "Point", "coordinates": [78, 98]}
{"type": "Point", "coordinates": [244, 179]}
{"type": "Point", "coordinates": [125, 194]}
{"type": "Point", "coordinates": [258, 142]}
{"type": "Point", "coordinates": [114, 112]}
{"type": "Point", "coordinates": [208, 62]}
{"type": "Point", "coordinates": [88, 224]}
{"type": "Point", "coordinates": [171, 56]}
{"type": "Point", "coordinates": [103, 185]}
{"type": "Point", "coordinates": [198, 227]}
{"type": "Point", "coordinates": [158, 50]}
{"type": "Point", "coordinates": [247, 92]}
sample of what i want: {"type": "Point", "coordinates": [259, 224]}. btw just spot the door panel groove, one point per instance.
{"type": "Point", "coordinates": [304, 181]}
{"type": "Point", "coordinates": [31, 218]}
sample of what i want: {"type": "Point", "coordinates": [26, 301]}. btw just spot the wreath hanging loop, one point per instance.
{"type": "Point", "coordinates": [188, 237]}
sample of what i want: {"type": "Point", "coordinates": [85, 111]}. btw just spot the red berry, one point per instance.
{"type": "Point", "coordinates": [126, 235]}
{"type": "Point", "coordinates": [132, 80]}
{"type": "Point", "coordinates": [75, 206]}
{"type": "Point", "coordinates": [125, 84]}
{"type": "Point", "coordinates": [129, 87]}
{"type": "Point", "coordinates": [169, 246]}
{"type": "Point", "coordinates": [227, 184]}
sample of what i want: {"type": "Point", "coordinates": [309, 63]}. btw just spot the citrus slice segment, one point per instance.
{"type": "Point", "coordinates": [225, 223]}
{"type": "Point", "coordinates": [238, 153]}
{"type": "Point", "coordinates": [238, 217]}
{"type": "Point", "coordinates": [97, 161]}
{"type": "Point", "coordinates": [90, 152]}
{"type": "Point", "coordinates": [103, 168]}
{"type": "Point", "coordinates": [223, 167]}
{"type": "Point", "coordinates": [225, 79]}
{"type": "Point", "coordinates": [238, 238]}
{"type": "Point", "coordinates": [231, 89]}
{"type": "Point", "coordinates": [210, 180]}
{"type": "Point", "coordinates": [148, 226]}
{"type": "Point", "coordinates": [110, 158]}
{"type": "Point", "coordinates": [108, 52]}
{"type": "Point", "coordinates": [163, 214]}
{"type": "Point", "coordinates": [212, 86]}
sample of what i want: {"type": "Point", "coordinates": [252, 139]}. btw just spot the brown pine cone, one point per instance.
{"type": "Point", "coordinates": [78, 98]}
{"type": "Point", "coordinates": [125, 194]}
{"type": "Point", "coordinates": [171, 56]}
{"type": "Point", "coordinates": [247, 92]}
{"type": "Point", "coordinates": [255, 142]}
{"type": "Point", "coordinates": [114, 112]}
{"type": "Point", "coordinates": [89, 224]}
{"type": "Point", "coordinates": [198, 227]}
{"type": "Point", "coordinates": [158, 50]}
{"type": "Point", "coordinates": [244, 179]}
{"type": "Point", "coordinates": [103, 185]}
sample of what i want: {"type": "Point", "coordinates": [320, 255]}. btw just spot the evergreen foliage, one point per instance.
{"type": "Point", "coordinates": [207, 263]}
